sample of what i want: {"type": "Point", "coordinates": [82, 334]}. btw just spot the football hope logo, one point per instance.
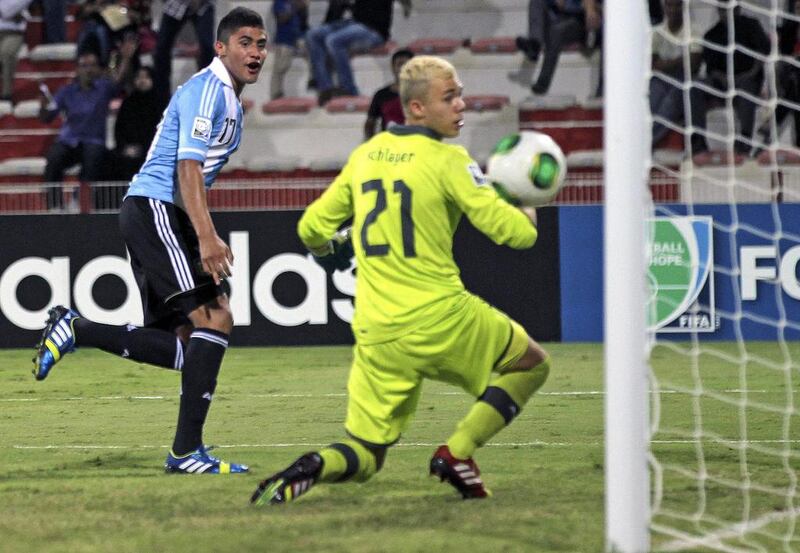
{"type": "Point", "coordinates": [681, 257]}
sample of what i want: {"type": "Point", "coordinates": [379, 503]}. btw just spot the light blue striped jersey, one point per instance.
{"type": "Point", "coordinates": [203, 121]}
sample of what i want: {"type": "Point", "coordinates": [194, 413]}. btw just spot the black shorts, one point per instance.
{"type": "Point", "coordinates": [165, 257]}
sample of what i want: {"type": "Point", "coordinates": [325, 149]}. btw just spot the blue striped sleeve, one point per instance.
{"type": "Point", "coordinates": [195, 103]}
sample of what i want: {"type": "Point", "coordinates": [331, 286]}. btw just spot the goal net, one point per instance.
{"type": "Point", "coordinates": [721, 357]}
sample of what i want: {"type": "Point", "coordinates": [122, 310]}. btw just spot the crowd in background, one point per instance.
{"type": "Point", "coordinates": [690, 69]}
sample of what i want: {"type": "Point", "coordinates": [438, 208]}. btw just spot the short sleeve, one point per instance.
{"type": "Point", "coordinates": [196, 117]}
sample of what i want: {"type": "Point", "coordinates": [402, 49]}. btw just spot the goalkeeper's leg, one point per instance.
{"type": "Point", "coordinates": [496, 407]}
{"type": "Point", "coordinates": [501, 402]}
{"type": "Point", "coordinates": [348, 460]}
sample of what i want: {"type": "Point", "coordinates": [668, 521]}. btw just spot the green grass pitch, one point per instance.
{"type": "Point", "coordinates": [82, 456]}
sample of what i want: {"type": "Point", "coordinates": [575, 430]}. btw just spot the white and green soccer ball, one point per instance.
{"type": "Point", "coordinates": [528, 167]}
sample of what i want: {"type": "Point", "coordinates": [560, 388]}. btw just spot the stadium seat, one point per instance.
{"type": "Point", "coordinates": [289, 105]}
{"type": "Point", "coordinates": [348, 104]}
{"type": "Point", "coordinates": [384, 49]}
{"type": "Point", "coordinates": [23, 166]}
{"type": "Point", "coordinates": [48, 52]}
{"type": "Point", "coordinates": [583, 159]}
{"type": "Point", "coordinates": [782, 156]}
{"type": "Point", "coordinates": [493, 45]}
{"type": "Point", "coordinates": [437, 46]}
{"type": "Point", "coordinates": [668, 157]}
{"type": "Point", "coordinates": [717, 158]}
{"type": "Point", "coordinates": [486, 102]}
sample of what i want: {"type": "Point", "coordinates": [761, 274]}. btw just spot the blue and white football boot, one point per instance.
{"type": "Point", "coordinates": [58, 339]}
{"type": "Point", "coordinates": [200, 462]}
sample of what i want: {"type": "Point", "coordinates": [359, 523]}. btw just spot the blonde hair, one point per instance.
{"type": "Point", "coordinates": [417, 73]}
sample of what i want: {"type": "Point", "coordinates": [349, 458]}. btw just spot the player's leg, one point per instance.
{"type": "Point", "coordinates": [380, 407]}
{"type": "Point", "coordinates": [504, 398]}
{"type": "Point", "coordinates": [65, 330]}
{"type": "Point", "coordinates": [486, 340]}
{"type": "Point", "coordinates": [160, 342]}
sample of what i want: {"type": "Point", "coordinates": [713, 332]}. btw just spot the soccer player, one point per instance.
{"type": "Point", "coordinates": [406, 191]}
{"type": "Point", "coordinates": [178, 259]}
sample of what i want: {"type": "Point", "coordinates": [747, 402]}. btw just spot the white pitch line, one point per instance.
{"type": "Point", "coordinates": [534, 443]}
{"type": "Point", "coordinates": [281, 445]}
{"type": "Point", "coordinates": [577, 393]}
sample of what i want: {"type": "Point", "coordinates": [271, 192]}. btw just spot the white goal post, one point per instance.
{"type": "Point", "coordinates": [627, 156]}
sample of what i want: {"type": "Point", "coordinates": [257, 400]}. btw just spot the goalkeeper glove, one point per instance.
{"type": "Point", "coordinates": [503, 193]}
{"type": "Point", "coordinates": [336, 253]}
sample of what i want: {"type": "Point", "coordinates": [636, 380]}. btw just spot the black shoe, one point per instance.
{"type": "Point", "coordinates": [539, 88]}
{"type": "Point", "coordinates": [290, 483]}
{"type": "Point", "coordinates": [529, 47]}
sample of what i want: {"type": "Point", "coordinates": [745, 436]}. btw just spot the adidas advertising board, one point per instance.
{"type": "Point", "coordinates": [280, 296]}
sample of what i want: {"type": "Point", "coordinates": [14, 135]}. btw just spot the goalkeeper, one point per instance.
{"type": "Point", "coordinates": [406, 191]}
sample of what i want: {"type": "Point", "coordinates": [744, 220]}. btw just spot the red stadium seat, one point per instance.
{"type": "Point", "coordinates": [782, 156]}
{"type": "Point", "coordinates": [717, 158]}
{"type": "Point", "coordinates": [289, 105]}
{"type": "Point", "coordinates": [383, 50]}
{"type": "Point", "coordinates": [486, 102]}
{"type": "Point", "coordinates": [493, 45]}
{"type": "Point", "coordinates": [435, 45]}
{"type": "Point", "coordinates": [348, 104]}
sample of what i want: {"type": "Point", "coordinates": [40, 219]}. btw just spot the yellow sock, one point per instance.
{"type": "Point", "coordinates": [501, 402]}
{"type": "Point", "coordinates": [347, 460]}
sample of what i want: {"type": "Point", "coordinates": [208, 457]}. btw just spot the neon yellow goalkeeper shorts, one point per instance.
{"type": "Point", "coordinates": [462, 349]}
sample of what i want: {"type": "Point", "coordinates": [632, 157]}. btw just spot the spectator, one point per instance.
{"type": "Point", "coordinates": [748, 72]}
{"type": "Point", "coordinates": [291, 17]}
{"type": "Point", "coordinates": [54, 13]}
{"type": "Point", "coordinates": [386, 104]}
{"type": "Point", "coordinates": [135, 127]}
{"type": "Point", "coordinates": [175, 14]}
{"type": "Point", "coordinates": [670, 40]}
{"type": "Point", "coordinates": [552, 24]}
{"type": "Point", "coordinates": [787, 78]}
{"type": "Point", "coordinates": [12, 34]}
{"type": "Point", "coordinates": [368, 28]}
{"type": "Point", "coordinates": [84, 104]}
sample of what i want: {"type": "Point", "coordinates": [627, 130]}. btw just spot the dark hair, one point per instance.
{"type": "Point", "coordinates": [236, 19]}
{"type": "Point", "coordinates": [402, 53]}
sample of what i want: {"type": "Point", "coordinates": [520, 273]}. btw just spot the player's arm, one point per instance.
{"type": "Point", "coordinates": [215, 254]}
{"type": "Point", "coordinates": [319, 224]}
{"type": "Point", "coordinates": [201, 118]}
{"type": "Point", "coordinates": [487, 211]}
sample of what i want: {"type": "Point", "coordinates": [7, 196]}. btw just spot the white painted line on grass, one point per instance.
{"type": "Point", "coordinates": [276, 395]}
{"type": "Point", "coordinates": [534, 443]}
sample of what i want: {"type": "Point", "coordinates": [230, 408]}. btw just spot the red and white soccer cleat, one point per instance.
{"type": "Point", "coordinates": [463, 474]}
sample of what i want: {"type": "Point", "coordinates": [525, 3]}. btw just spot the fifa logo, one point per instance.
{"type": "Point", "coordinates": [680, 279]}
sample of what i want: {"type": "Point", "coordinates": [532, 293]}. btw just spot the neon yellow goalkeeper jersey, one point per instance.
{"type": "Point", "coordinates": [406, 191]}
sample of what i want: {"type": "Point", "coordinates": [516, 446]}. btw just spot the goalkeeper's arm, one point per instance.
{"type": "Point", "coordinates": [336, 253]}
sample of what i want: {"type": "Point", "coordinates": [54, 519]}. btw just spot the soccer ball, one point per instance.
{"type": "Point", "coordinates": [529, 167]}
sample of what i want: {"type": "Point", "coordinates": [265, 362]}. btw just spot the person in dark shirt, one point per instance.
{"type": "Point", "coordinates": [386, 106]}
{"type": "Point", "coordinates": [84, 105]}
{"type": "Point", "coordinates": [748, 72]}
{"type": "Point", "coordinates": [787, 79]}
{"type": "Point", "coordinates": [368, 28]}
{"type": "Point", "coordinates": [135, 127]}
